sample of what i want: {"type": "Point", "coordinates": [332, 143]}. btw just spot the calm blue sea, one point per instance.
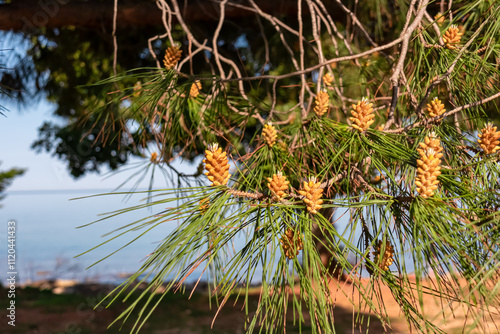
{"type": "Point", "coordinates": [47, 237]}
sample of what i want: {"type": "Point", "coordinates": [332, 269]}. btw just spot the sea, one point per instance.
{"type": "Point", "coordinates": [53, 236]}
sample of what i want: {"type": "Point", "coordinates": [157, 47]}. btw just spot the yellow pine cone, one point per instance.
{"type": "Point", "coordinates": [204, 205]}
{"type": "Point", "coordinates": [195, 89]}
{"type": "Point", "coordinates": [291, 243]}
{"type": "Point", "coordinates": [270, 134]}
{"type": "Point", "coordinates": [388, 258]}
{"type": "Point", "coordinates": [431, 141]}
{"type": "Point", "coordinates": [278, 184]}
{"type": "Point", "coordinates": [327, 79]}
{"type": "Point", "coordinates": [312, 192]}
{"type": "Point", "coordinates": [428, 166]}
{"type": "Point", "coordinates": [137, 89]}
{"type": "Point", "coordinates": [452, 37]}
{"type": "Point", "coordinates": [362, 115]}
{"type": "Point", "coordinates": [321, 103]}
{"type": "Point", "coordinates": [154, 157]}
{"type": "Point", "coordinates": [489, 139]}
{"type": "Point", "coordinates": [217, 165]}
{"type": "Point", "coordinates": [282, 146]}
{"type": "Point", "coordinates": [439, 18]}
{"type": "Point", "coordinates": [172, 56]}
{"type": "Point", "coordinates": [435, 108]}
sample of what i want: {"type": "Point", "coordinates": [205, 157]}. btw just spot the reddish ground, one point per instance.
{"type": "Point", "coordinates": [43, 312]}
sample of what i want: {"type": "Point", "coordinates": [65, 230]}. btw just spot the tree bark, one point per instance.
{"type": "Point", "coordinates": [29, 15]}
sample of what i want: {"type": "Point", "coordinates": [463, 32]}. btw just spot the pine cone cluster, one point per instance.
{"type": "Point", "coordinates": [270, 134]}
{"type": "Point", "coordinates": [154, 157]}
{"type": "Point", "coordinates": [195, 89]}
{"type": "Point", "coordinates": [291, 243]}
{"type": "Point", "coordinates": [217, 165]}
{"type": "Point", "coordinates": [435, 108]}
{"type": "Point", "coordinates": [312, 192]}
{"type": "Point", "coordinates": [321, 103]}
{"type": "Point", "coordinates": [428, 166]}
{"type": "Point", "coordinates": [452, 37]}
{"type": "Point", "coordinates": [278, 184]}
{"type": "Point", "coordinates": [172, 56]}
{"type": "Point", "coordinates": [327, 79]}
{"type": "Point", "coordinates": [362, 115]}
{"type": "Point", "coordinates": [387, 258]}
{"type": "Point", "coordinates": [489, 139]}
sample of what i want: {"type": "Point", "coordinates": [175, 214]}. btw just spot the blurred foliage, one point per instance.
{"type": "Point", "coordinates": [6, 178]}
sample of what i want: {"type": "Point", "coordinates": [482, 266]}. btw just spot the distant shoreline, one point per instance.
{"type": "Point", "coordinates": [62, 191]}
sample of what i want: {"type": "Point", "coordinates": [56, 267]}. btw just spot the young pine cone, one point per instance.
{"type": "Point", "coordinates": [278, 184]}
{"type": "Point", "coordinates": [327, 79]}
{"type": "Point", "coordinates": [388, 258]}
{"type": "Point", "coordinates": [489, 139]}
{"type": "Point", "coordinates": [291, 243]}
{"type": "Point", "coordinates": [283, 146]}
{"type": "Point", "coordinates": [428, 166]}
{"type": "Point", "coordinates": [137, 89]}
{"type": "Point", "coordinates": [312, 192]}
{"type": "Point", "coordinates": [172, 56]}
{"type": "Point", "coordinates": [195, 89]}
{"type": "Point", "coordinates": [362, 115]}
{"type": "Point", "coordinates": [439, 19]}
{"type": "Point", "coordinates": [435, 108]}
{"type": "Point", "coordinates": [154, 157]}
{"type": "Point", "coordinates": [270, 134]}
{"type": "Point", "coordinates": [204, 205]}
{"type": "Point", "coordinates": [217, 165]}
{"type": "Point", "coordinates": [431, 141]}
{"type": "Point", "coordinates": [321, 103]}
{"type": "Point", "coordinates": [452, 37]}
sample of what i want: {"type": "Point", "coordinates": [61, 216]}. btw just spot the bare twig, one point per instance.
{"type": "Point", "coordinates": [357, 23]}
{"type": "Point", "coordinates": [215, 47]}
{"type": "Point", "coordinates": [435, 27]}
{"type": "Point", "coordinates": [405, 36]}
{"type": "Point", "coordinates": [448, 113]}
{"type": "Point", "coordinates": [115, 42]}
{"type": "Point", "coordinates": [315, 67]}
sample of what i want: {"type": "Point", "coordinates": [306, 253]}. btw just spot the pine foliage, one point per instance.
{"type": "Point", "coordinates": [417, 189]}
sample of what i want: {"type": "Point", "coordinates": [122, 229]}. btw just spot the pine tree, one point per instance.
{"type": "Point", "coordinates": [377, 118]}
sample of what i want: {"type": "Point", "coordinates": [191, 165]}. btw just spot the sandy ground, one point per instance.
{"type": "Point", "coordinates": [40, 313]}
{"type": "Point", "coordinates": [447, 316]}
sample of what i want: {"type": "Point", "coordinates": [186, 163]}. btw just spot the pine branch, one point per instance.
{"type": "Point", "coordinates": [436, 119]}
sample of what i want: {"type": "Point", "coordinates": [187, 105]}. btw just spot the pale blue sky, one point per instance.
{"type": "Point", "coordinates": [19, 129]}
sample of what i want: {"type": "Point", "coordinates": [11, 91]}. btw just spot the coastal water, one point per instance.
{"type": "Point", "coordinates": [48, 237]}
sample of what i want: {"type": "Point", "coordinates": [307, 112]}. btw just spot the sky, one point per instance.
{"type": "Point", "coordinates": [19, 129]}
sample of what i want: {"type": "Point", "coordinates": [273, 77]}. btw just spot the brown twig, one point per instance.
{"type": "Point", "coordinates": [448, 113]}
